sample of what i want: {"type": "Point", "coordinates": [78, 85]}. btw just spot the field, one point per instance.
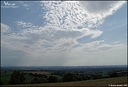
{"type": "Point", "coordinates": [122, 81]}
{"type": "Point", "coordinates": [64, 76]}
{"type": "Point", "coordinates": [6, 76]}
{"type": "Point", "coordinates": [38, 72]}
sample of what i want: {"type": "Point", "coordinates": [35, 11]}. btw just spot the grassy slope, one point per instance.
{"type": "Point", "coordinates": [98, 82]}
{"type": "Point", "coordinates": [6, 77]}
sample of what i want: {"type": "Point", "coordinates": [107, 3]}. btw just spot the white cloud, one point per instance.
{"type": "Point", "coordinates": [33, 37]}
{"type": "Point", "coordinates": [68, 15]}
{"type": "Point", "coordinates": [23, 24]}
{"type": "Point", "coordinates": [4, 28]}
{"type": "Point", "coordinates": [24, 4]}
{"type": "Point", "coordinates": [98, 53]}
{"type": "Point", "coordinates": [75, 15]}
{"type": "Point", "coordinates": [66, 22]}
{"type": "Point", "coordinates": [101, 8]}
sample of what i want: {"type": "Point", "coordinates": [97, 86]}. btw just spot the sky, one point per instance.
{"type": "Point", "coordinates": [63, 33]}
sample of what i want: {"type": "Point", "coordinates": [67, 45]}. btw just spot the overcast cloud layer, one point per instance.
{"type": "Point", "coordinates": [56, 41]}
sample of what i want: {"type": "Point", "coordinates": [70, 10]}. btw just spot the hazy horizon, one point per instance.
{"type": "Point", "coordinates": [62, 66]}
{"type": "Point", "coordinates": [63, 33]}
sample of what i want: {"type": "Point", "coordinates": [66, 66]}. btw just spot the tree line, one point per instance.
{"type": "Point", "coordinates": [18, 77]}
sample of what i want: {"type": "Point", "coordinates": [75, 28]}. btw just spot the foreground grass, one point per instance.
{"type": "Point", "coordinates": [98, 82]}
{"type": "Point", "coordinates": [6, 77]}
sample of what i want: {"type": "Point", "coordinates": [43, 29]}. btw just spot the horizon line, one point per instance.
{"type": "Point", "coordinates": [59, 65]}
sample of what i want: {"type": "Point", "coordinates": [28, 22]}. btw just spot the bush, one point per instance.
{"type": "Point", "coordinates": [39, 80]}
{"type": "Point", "coordinates": [69, 77]}
{"type": "Point", "coordinates": [1, 82]}
{"type": "Point", "coordinates": [53, 79]}
{"type": "Point", "coordinates": [114, 74]}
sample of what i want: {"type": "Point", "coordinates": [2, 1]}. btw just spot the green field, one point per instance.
{"type": "Point", "coordinates": [6, 77]}
{"type": "Point", "coordinates": [98, 82]}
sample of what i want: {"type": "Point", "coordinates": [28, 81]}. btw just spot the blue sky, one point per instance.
{"type": "Point", "coordinates": [67, 33]}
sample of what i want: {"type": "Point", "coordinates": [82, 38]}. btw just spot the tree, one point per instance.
{"type": "Point", "coordinates": [69, 77]}
{"type": "Point", "coordinates": [17, 77]}
{"type": "Point", "coordinates": [97, 76]}
{"type": "Point", "coordinates": [1, 82]}
{"type": "Point", "coordinates": [53, 79]}
{"type": "Point", "coordinates": [114, 74]}
{"type": "Point", "coordinates": [39, 80]}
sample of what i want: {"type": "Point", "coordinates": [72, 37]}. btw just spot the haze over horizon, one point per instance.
{"type": "Point", "coordinates": [63, 33]}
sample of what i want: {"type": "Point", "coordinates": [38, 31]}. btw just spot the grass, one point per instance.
{"type": "Point", "coordinates": [98, 82]}
{"type": "Point", "coordinates": [6, 77]}
{"type": "Point", "coordinates": [59, 77]}
{"type": "Point", "coordinates": [29, 78]}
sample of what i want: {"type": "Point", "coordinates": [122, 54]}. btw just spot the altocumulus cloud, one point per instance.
{"type": "Point", "coordinates": [55, 43]}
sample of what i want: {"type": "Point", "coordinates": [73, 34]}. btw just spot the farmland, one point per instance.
{"type": "Point", "coordinates": [37, 72]}
{"type": "Point", "coordinates": [64, 76]}
{"type": "Point", "coordinates": [99, 82]}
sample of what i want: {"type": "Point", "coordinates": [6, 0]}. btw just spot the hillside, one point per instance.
{"type": "Point", "coordinates": [99, 82]}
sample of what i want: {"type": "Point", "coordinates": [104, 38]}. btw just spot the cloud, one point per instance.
{"type": "Point", "coordinates": [24, 4]}
{"type": "Point", "coordinates": [98, 53]}
{"type": "Point", "coordinates": [55, 41]}
{"type": "Point", "coordinates": [4, 28]}
{"type": "Point", "coordinates": [68, 15]}
{"type": "Point", "coordinates": [10, 57]}
{"type": "Point", "coordinates": [101, 8]}
{"type": "Point", "coordinates": [23, 24]}
{"type": "Point", "coordinates": [30, 37]}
